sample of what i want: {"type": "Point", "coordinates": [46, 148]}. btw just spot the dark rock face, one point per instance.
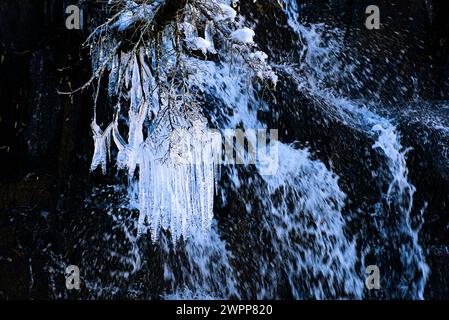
{"type": "Point", "coordinates": [15, 15]}
{"type": "Point", "coordinates": [39, 126]}
{"type": "Point", "coordinates": [411, 43]}
{"type": "Point", "coordinates": [41, 134]}
{"type": "Point", "coordinates": [45, 142]}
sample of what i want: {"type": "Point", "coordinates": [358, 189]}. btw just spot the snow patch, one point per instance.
{"type": "Point", "coordinates": [244, 35]}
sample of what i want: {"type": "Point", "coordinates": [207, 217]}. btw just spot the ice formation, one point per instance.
{"type": "Point", "coordinates": [157, 97]}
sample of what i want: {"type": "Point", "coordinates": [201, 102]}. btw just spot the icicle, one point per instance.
{"type": "Point", "coordinates": [114, 76]}
{"type": "Point", "coordinates": [102, 142]}
{"type": "Point", "coordinates": [136, 93]}
{"type": "Point", "coordinates": [177, 195]}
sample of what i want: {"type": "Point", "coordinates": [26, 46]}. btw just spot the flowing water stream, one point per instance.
{"type": "Point", "coordinates": [291, 236]}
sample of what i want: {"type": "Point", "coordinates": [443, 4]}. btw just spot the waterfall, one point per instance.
{"type": "Point", "coordinates": [300, 205]}
{"type": "Point", "coordinates": [290, 237]}
{"type": "Point", "coordinates": [321, 67]}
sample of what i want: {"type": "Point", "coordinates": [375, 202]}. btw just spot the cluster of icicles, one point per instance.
{"type": "Point", "coordinates": [176, 169]}
{"type": "Point", "coordinates": [172, 195]}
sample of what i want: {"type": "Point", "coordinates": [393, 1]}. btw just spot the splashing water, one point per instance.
{"type": "Point", "coordinates": [301, 208]}
{"type": "Point", "coordinates": [322, 66]}
{"type": "Point", "coordinates": [292, 239]}
{"type": "Point", "coordinates": [309, 241]}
